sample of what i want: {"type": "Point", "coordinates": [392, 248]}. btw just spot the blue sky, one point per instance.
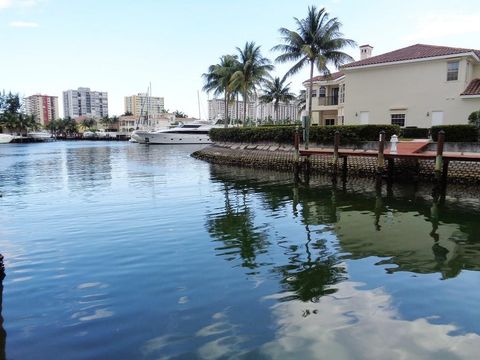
{"type": "Point", "coordinates": [120, 46]}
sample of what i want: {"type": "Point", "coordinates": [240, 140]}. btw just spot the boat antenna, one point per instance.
{"type": "Point", "coordinates": [198, 99]}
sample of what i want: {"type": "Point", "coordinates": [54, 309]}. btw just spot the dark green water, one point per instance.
{"type": "Point", "coordinates": [123, 251]}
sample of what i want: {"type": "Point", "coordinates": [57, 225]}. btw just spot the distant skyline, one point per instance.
{"type": "Point", "coordinates": [49, 46]}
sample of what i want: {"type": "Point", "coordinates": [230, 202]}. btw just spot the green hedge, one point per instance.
{"type": "Point", "coordinates": [415, 133]}
{"type": "Point", "coordinates": [318, 134]}
{"type": "Point", "coordinates": [456, 133]}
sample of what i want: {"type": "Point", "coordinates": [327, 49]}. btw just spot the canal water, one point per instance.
{"type": "Point", "coordinates": [124, 251]}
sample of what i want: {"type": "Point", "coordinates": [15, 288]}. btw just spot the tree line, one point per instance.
{"type": "Point", "coordinates": [13, 119]}
{"type": "Point", "coordinates": [317, 43]}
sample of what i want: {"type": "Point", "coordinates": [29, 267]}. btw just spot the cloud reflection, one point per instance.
{"type": "Point", "coordinates": [361, 324]}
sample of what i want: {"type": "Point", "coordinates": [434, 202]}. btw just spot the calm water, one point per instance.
{"type": "Point", "coordinates": [122, 251]}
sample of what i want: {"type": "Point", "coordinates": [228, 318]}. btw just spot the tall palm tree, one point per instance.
{"type": "Point", "coordinates": [301, 101]}
{"type": "Point", "coordinates": [87, 124]}
{"type": "Point", "coordinates": [318, 42]}
{"type": "Point", "coordinates": [219, 79]}
{"type": "Point", "coordinates": [254, 69]}
{"type": "Point", "coordinates": [277, 91]}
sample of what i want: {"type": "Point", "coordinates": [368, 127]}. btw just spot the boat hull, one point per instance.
{"type": "Point", "coordinates": [165, 138]}
{"type": "Point", "coordinates": [6, 138]}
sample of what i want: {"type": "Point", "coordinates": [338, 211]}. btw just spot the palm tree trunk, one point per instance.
{"type": "Point", "coordinates": [309, 119]}
{"type": "Point", "coordinates": [225, 120]}
{"type": "Point", "coordinates": [236, 107]}
{"type": "Point", "coordinates": [275, 109]}
{"type": "Point", "coordinates": [245, 99]}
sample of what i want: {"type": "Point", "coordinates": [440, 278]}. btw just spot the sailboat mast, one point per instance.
{"type": "Point", "coordinates": [198, 99]}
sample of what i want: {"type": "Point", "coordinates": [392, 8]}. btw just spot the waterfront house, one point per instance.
{"type": "Point", "coordinates": [419, 85]}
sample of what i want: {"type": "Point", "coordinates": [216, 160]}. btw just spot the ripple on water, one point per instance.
{"type": "Point", "coordinates": [116, 250]}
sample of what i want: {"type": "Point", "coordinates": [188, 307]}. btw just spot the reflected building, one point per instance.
{"type": "Point", "coordinates": [89, 167]}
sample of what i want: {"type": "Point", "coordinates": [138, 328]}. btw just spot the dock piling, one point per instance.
{"type": "Point", "coordinates": [381, 157]}
{"type": "Point", "coordinates": [336, 143]}
{"type": "Point", "coordinates": [439, 157]}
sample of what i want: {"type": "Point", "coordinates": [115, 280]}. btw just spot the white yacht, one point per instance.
{"type": "Point", "coordinates": [40, 136]}
{"type": "Point", "coordinates": [6, 138]}
{"type": "Point", "coordinates": [194, 133]}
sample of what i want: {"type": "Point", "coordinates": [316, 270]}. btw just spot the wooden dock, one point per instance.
{"type": "Point", "coordinates": [414, 150]}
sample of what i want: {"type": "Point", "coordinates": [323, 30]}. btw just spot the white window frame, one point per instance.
{"type": "Point", "coordinates": [449, 71]}
{"type": "Point", "coordinates": [392, 114]}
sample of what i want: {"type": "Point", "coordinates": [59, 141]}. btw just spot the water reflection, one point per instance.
{"type": "Point", "coordinates": [3, 333]}
{"type": "Point", "coordinates": [234, 227]}
{"type": "Point", "coordinates": [367, 222]}
{"type": "Point", "coordinates": [89, 167]}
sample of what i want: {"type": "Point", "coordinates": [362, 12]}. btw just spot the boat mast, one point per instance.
{"type": "Point", "coordinates": [198, 99]}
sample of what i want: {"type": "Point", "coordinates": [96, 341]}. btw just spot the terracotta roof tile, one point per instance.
{"type": "Point", "coordinates": [418, 51]}
{"type": "Point", "coordinates": [332, 76]}
{"type": "Point", "coordinates": [473, 88]}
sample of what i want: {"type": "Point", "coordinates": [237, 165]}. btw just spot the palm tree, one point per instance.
{"type": "Point", "coordinates": [69, 126]}
{"type": "Point", "coordinates": [219, 79]}
{"type": "Point", "coordinates": [254, 68]}
{"type": "Point", "coordinates": [277, 91]}
{"type": "Point", "coordinates": [87, 124]}
{"type": "Point", "coordinates": [301, 101]}
{"type": "Point", "coordinates": [318, 42]}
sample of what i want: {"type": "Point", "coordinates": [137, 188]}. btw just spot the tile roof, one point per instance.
{"type": "Point", "coordinates": [473, 88]}
{"type": "Point", "coordinates": [332, 76]}
{"type": "Point", "coordinates": [417, 51]}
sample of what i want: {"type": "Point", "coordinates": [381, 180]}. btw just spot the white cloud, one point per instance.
{"type": "Point", "coordinates": [5, 4]}
{"type": "Point", "coordinates": [437, 26]}
{"type": "Point", "coordinates": [23, 24]}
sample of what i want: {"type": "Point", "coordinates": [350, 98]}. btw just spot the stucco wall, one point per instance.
{"type": "Point", "coordinates": [416, 89]}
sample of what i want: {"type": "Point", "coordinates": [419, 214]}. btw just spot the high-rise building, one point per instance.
{"type": "Point", "coordinates": [256, 110]}
{"type": "Point", "coordinates": [84, 102]}
{"type": "Point", "coordinates": [43, 107]}
{"type": "Point", "coordinates": [142, 104]}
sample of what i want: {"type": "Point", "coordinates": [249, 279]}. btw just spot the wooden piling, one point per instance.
{"type": "Point", "coordinates": [336, 143]}
{"type": "Point", "coordinates": [344, 168]}
{"type": "Point", "coordinates": [381, 157]}
{"type": "Point", "coordinates": [439, 157]}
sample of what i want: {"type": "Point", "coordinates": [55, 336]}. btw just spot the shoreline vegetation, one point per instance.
{"type": "Point", "coordinates": [316, 43]}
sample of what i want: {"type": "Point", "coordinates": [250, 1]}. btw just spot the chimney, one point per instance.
{"type": "Point", "coordinates": [365, 51]}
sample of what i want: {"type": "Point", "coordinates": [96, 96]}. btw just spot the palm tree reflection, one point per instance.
{"type": "Point", "coordinates": [236, 229]}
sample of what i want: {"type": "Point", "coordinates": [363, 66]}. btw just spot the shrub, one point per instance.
{"type": "Point", "coordinates": [415, 133]}
{"type": "Point", "coordinates": [319, 134]}
{"type": "Point", "coordinates": [456, 133]}
{"type": "Point", "coordinates": [474, 119]}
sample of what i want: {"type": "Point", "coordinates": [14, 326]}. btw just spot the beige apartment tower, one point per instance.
{"type": "Point", "coordinates": [143, 104]}
{"type": "Point", "coordinates": [43, 107]}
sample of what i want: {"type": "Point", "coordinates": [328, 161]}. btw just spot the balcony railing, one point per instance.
{"type": "Point", "coordinates": [328, 100]}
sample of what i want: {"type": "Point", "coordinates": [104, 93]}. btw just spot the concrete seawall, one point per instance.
{"type": "Point", "coordinates": [282, 157]}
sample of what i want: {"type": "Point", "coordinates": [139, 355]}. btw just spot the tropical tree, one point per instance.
{"type": "Point", "coordinates": [88, 124]}
{"type": "Point", "coordinates": [180, 114]}
{"type": "Point", "coordinates": [109, 122]}
{"type": "Point", "coordinates": [318, 42]}
{"type": "Point", "coordinates": [69, 126]}
{"type": "Point", "coordinates": [219, 80]}
{"type": "Point", "coordinates": [253, 71]}
{"type": "Point", "coordinates": [277, 91]}
{"type": "Point", "coordinates": [301, 101]}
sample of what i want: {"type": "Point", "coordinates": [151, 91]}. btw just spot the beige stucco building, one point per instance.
{"type": "Point", "coordinates": [143, 103]}
{"type": "Point", "coordinates": [420, 85]}
{"type": "Point", "coordinates": [43, 107]}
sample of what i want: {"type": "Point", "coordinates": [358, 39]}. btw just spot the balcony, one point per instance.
{"type": "Point", "coordinates": [328, 100]}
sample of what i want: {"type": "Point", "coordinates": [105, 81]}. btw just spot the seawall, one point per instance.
{"type": "Point", "coordinates": [282, 157]}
